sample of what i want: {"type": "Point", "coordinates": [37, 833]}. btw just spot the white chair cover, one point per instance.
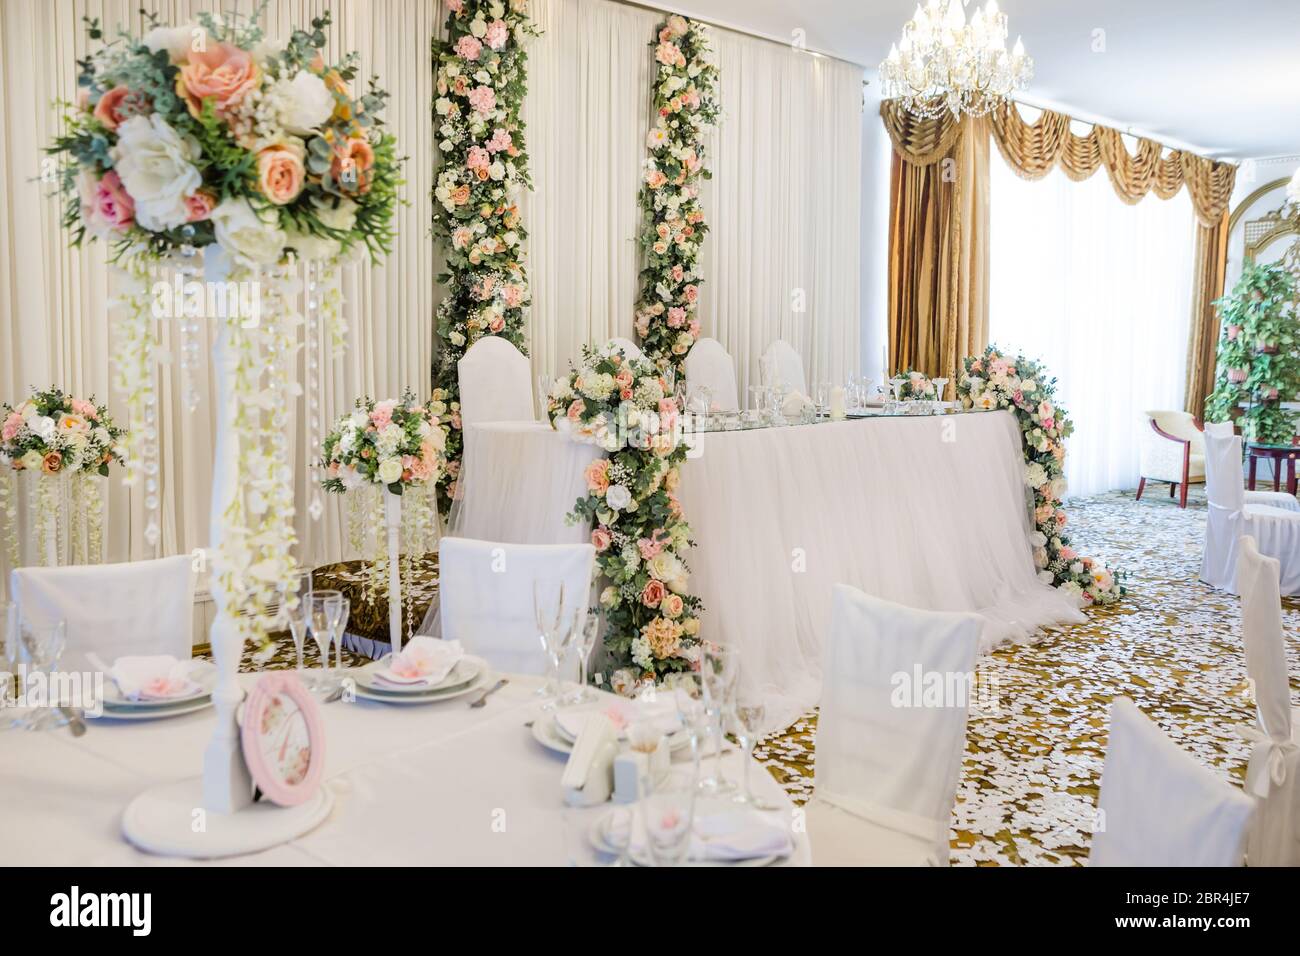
{"type": "Point", "coordinates": [137, 607]}
{"type": "Point", "coordinates": [1159, 807]}
{"type": "Point", "coordinates": [1274, 771]}
{"type": "Point", "coordinates": [486, 596]}
{"type": "Point", "coordinates": [495, 383]}
{"type": "Point", "coordinates": [887, 769]}
{"type": "Point", "coordinates": [1276, 530]}
{"type": "Point", "coordinates": [1278, 499]}
{"type": "Point", "coordinates": [626, 346]}
{"type": "Point", "coordinates": [782, 365]}
{"type": "Point", "coordinates": [709, 365]}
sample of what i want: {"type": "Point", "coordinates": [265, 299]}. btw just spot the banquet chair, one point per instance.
{"type": "Point", "coordinates": [782, 365]}
{"type": "Point", "coordinates": [887, 768]}
{"type": "Point", "coordinates": [1158, 806]}
{"type": "Point", "coordinates": [1232, 513]}
{"type": "Point", "coordinates": [709, 365]}
{"type": "Point", "coordinates": [1273, 775]}
{"type": "Point", "coordinates": [111, 610]}
{"type": "Point", "coordinates": [1172, 450]}
{"type": "Point", "coordinates": [485, 593]}
{"type": "Point", "coordinates": [495, 383]}
{"type": "Point", "coordinates": [626, 346]}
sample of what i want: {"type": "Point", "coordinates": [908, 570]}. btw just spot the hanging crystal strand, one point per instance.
{"type": "Point", "coordinates": [77, 521]}
{"type": "Point", "coordinates": [314, 437]}
{"type": "Point", "coordinates": [149, 446]}
{"type": "Point", "coordinates": [189, 326]}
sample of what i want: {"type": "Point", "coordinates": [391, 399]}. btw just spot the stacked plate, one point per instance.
{"type": "Point", "coordinates": [118, 707]}
{"type": "Point", "coordinates": [468, 675]}
{"type": "Point", "coordinates": [559, 735]}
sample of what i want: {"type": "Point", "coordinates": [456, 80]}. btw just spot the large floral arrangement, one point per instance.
{"type": "Point", "coordinates": [207, 134]}
{"type": "Point", "coordinates": [638, 529]}
{"type": "Point", "coordinates": [994, 380]}
{"type": "Point", "coordinates": [916, 385]}
{"type": "Point", "coordinates": [53, 433]}
{"type": "Point", "coordinates": [397, 445]}
{"type": "Point", "coordinates": [674, 228]}
{"type": "Point", "coordinates": [480, 91]}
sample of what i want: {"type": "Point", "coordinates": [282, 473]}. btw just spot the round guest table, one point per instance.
{"type": "Point", "coordinates": [1280, 455]}
{"type": "Point", "coordinates": [436, 784]}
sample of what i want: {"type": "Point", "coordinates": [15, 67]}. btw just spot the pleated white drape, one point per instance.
{"type": "Point", "coordinates": [54, 315]}
{"type": "Point", "coordinates": [781, 259]}
{"type": "Point", "coordinates": [783, 207]}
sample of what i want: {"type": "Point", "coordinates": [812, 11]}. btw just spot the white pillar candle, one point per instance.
{"type": "Point", "coordinates": [837, 403]}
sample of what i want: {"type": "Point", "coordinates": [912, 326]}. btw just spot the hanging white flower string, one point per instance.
{"type": "Point", "coordinates": [135, 350]}
{"type": "Point", "coordinates": [312, 272]}
{"type": "Point", "coordinates": [188, 322]}
{"type": "Point", "coordinates": [9, 508]}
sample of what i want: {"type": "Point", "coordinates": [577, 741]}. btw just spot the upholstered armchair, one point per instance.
{"type": "Point", "coordinates": [1173, 450]}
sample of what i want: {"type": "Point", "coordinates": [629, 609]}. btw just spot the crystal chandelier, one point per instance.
{"type": "Point", "coordinates": [944, 64]}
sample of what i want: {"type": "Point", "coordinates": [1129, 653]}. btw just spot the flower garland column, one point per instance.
{"type": "Point", "coordinates": [685, 103]}
{"type": "Point", "coordinates": [481, 85]}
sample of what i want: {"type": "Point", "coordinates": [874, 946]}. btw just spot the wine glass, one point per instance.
{"type": "Point", "coordinates": [37, 649]}
{"type": "Point", "coordinates": [294, 609]}
{"type": "Point", "coordinates": [689, 697]}
{"type": "Point", "coordinates": [324, 610]}
{"type": "Point", "coordinates": [822, 396]}
{"type": "Point", "coordinates": [894, 385]}
{"type": "Point", "coordinates": [339, 628]}
{"type": "Point", "coordinates": [668, 811]}
{"type": "Point", "coordinates": [548, 609]}
{"type": "Point", "coordinates": [584, 643]}
{"type": "Point", "coordinates": [939, 385]}
{"type": "Point", "coordinates": [750, 713]}
{"type": "Point", "coordinates": [720, 667]}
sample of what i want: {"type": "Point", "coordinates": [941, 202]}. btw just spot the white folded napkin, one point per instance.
{"type": "Point", "coordinates": [423, 662]}
{"type": "Point", "coordinates": [153, 677]}
{"type": "Point", "coordinates": [796, 405]}
{"type": "Point", "coordinates": [661, 712]}
{"type": "Point", "coordinates": [720, 836]}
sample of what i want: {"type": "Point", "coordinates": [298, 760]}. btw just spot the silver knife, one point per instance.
{"type": "Point", "coordinates": [482, 698]}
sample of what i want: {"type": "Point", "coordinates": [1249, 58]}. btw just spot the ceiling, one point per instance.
{"type": "Point", "coordinates": [1218, 76]}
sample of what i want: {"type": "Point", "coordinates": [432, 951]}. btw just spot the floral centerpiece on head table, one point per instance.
{"type": "Point", "coordinates": [1022, 386]}
{"type": "Point", "coordinates": [622, 405]}
{"type": "Point", "coordinates": [398, 445]}
{"type": "Point", "coordinates": [916, 386]}
{"type": "Point", "coordinates": [52, 433]}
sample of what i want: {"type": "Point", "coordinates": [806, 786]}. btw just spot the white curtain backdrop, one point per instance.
{"type": "Point", "coordinates": [54, 323]}
{"type": "Point", "coordinates": [1100, 291]}
{"type": "Point", "coordinates": [783, 207]}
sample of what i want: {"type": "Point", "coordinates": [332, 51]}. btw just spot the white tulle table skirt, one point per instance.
{"type": "Point", "coordinates": [925, 511]}
{"type": "Point", "coordinates": [928, 512]}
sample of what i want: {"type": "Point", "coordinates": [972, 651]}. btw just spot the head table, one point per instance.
{"type": "Point", "coordinates": [436, 784]}
{"type": "Point", "coordinates": [929, 511]}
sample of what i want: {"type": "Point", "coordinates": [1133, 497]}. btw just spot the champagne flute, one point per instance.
{"type": "Point", "coordinates": [325, 607]}
{"type": "Point", "coordinates": [548, 609]}
{"type": "Point", "coordinates": [720, 667]}
{"type": "Point", "coordinates": [691, 711]}
{"type": "Point", "coordinates": [669, 813]}
{"type": "Point", "coordinates": [294, 609]}
{"type": "Point", "coordinates": [939, 385]}
{"type": "Point", "coordinates": [584, 643]}
{"type": "Point", "coordinates": [339, 628]}
{"type": "Point", "coordinates": [39, 647]}
{"type": "Point", "coordinates": [750, 712]}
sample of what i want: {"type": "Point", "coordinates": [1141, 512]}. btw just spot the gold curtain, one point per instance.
{"type": "Point", "coordinates": [1203, 338]}
{"type": "Point", "coordinates": [938, 241]}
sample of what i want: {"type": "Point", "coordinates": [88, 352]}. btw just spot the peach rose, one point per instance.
{"type": "Point", "coordinates": [280, 174]}
{"type": "Point", "coordinates": [51, 463]}
{"type": "Point", "coordinates": [350, 166]}
{"type": "Point", "coordinates": [200, 205]}
{"type": "Point", "coordinates": [222, 73]}
{"type": "Point", "coordinates": [576, 409]}
{"type": "Point", "coordinates": [653, 593]}
{"type": "Point", "coordinates": [601, 539]}
{"type": "Point", "coordinates": [597, 475]}
{"type": "Point", "coordinates": [672, 606]}
{"type": "Point", "coordinates": [117, 105]}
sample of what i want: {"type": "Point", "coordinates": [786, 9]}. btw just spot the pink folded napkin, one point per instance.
{"type": "Point", "coordinates": [153, 677]}
{"type": "Point", "coordinates": [660, 712]}
{"type": "Point", "coordinates": [423, 662]}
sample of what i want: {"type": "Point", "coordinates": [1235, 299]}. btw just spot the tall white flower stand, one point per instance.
{"type": "Point", "coordinates": [393, 524]}
{"type": "Point", "coordinates": [215, 815]}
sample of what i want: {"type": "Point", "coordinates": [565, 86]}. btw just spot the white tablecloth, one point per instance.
{"type": "Point", "coordinates": [926, 511]}
{"type": "Point", "coordinates": [433, 785]}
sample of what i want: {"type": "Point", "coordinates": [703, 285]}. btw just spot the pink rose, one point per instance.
{"type": "Point", "coordinates": [691, 292]}
{"type": "Point", "coordinates": [382, 416]}
{"type": "Point", "coordinates": [478, 158]}
{"type": "Point", "coordinates": [514, 295]}
{"type": "Point", "coordinates": [118, 105]}
{"type": "Point", "coordinates": [601, 539]}
{"type": "Point", "coordinates": [468, 47]}
{"type": "Point", "coordinates": [596, 473]}
{"type": "Point", "coordinates": [576, 409]}
{"type": "Point", "coordinates": [497, 34]}
{"type": "Point", "coordinates": [222, 73]}
{"type": "Point", "coordinates": [624, 377]}
{"type": "Point", "coordinates": [653, 593]}
{"type": "Point", "coordinates": [500, 141]}
{"type": "Point", "coordinates": [1061, 519]}
{"type": "Point", "coordinates": [455, 6]}
{"type": "Point", "coordinates": [649, 547]}
{"type": "Point", "coordinates": [280, 174]}
{"type": "Point", "coordinates": [497, 324]}
{"type": "Point", "coordinates": [676, 316]}
{"type": "Point", "coordinates": [672, 606]}
{"type": "Point", "coordinates": [11, 426]}
{"type": "Point", "coordinates": [84, 408]}
{"type": "Point", "coordinates": [483, 99]}
{"type": "Point", "coordinates": [667, 414]}
{"type": "Point", "coordinates": [111, 205]}
{"type": "Point", "coordinates": [1067, 553]}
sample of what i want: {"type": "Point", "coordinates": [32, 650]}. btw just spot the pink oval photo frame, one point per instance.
{"type": "Point", "coordinates": [267, 689]}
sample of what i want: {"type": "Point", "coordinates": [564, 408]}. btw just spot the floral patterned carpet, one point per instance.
{"type": "Point", "coordinates": [1033, 762]}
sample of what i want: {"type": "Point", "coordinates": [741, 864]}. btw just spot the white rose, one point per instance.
{"type": "Point", "coordinates": [1046, 577]}
{"type": "Point", "coordinates": [618, 497]}
{"type": "Point", "coordinates": [342, 217]}
{"type": "Point", "coordinates": [320, 248]}
{"type": "Point", "coordinates": [243, 235]}
{"type": "Point", "coordinates": [1035, 475]}
{"type": "Point", "coordinates": [304, 102]}
{"type": "Point", "coordinates": [177, 41]}
{"type": "Point", "coordinates": [497, 10]}
{"type": "Point", "coordinates": [156, 166]}
{"type": "Point", "coordinates": [478, 27]}
{"type": "Point", "coordinates": [43, 427]}
{"type": "Point", "coordinates": [390, 470]}
{"type": "Point", "coordinates": [441, 105]}
{"type": "Point", "coordinates": [497, 171]}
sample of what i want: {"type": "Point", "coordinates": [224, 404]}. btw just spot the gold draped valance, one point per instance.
{"type": "Point", "coordinates": [920, 142]}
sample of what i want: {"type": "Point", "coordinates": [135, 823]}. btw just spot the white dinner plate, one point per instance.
{"type": "Point", "coordinates": [676, 740]}
{"type": "Point", "coordinates": [467, 670]}
{"type": "Point", "coordinates": [431, 697]}
{"type": "Point", "coordinates": [548, 735]}
{"type": "Point", "coordinates": [598, 834]}
{"type": "Point", "coordinates": [170, 709]}
{"type": "Point", "coordinates": [203, 673]}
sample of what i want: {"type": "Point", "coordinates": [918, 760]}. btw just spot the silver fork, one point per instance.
{"type": "Point", "coordinates": [482, 698]}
